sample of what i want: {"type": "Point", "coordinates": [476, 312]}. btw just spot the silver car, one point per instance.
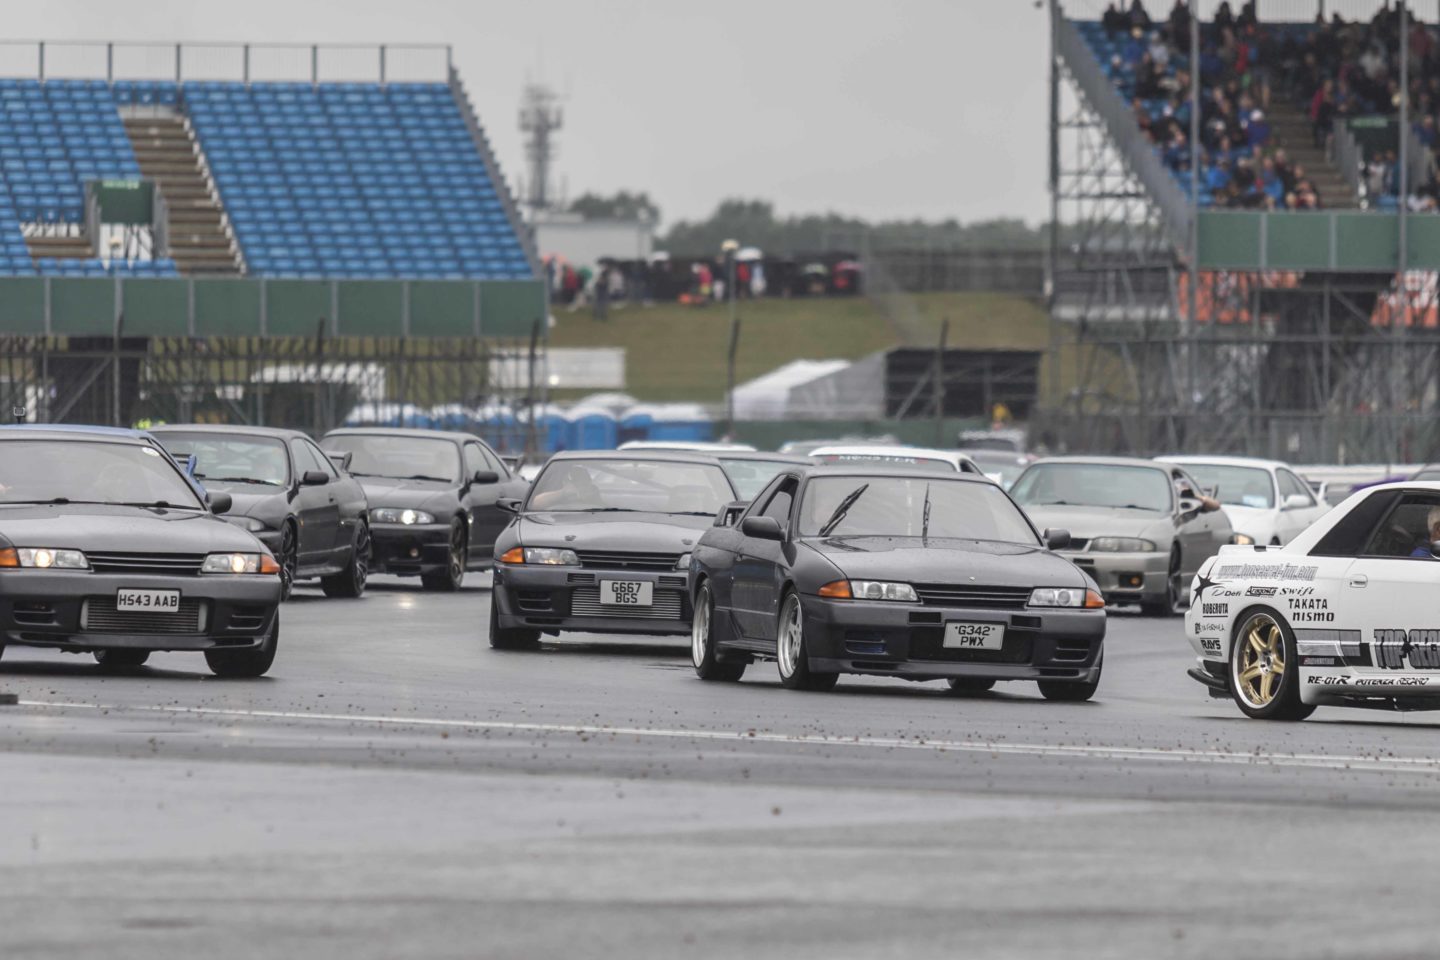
{"type": "Point", "coordinates": [1141, 529]}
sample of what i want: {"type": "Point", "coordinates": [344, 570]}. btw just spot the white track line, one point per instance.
{"type": "Point", "coordinates": [999, 748]}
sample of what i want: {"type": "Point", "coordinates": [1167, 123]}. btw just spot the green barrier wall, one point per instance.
{"type": "Point", "coordinates": [1342, 241]}
{"type": "Point", "coordinates": [162, 307]}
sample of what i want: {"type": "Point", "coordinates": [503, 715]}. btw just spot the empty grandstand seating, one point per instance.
{"type": "Point", "coordinates": [318, 180]}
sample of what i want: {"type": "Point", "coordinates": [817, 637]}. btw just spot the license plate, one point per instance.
{"type": "Point", "coordinates": [974, 636]}
{"type": "Point", "coordinates": [627, 593]}
{"type": "Point", "coordinates": [147, 601]}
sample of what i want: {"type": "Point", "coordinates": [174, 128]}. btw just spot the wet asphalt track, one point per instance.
{"type": "Point", "coordinates": [397, 789]}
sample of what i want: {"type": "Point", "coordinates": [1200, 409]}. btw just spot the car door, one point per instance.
{"type": "Point", "coordinates": [1294, 519]}
{"type": "Point", "coordinates": [720, 548]}
{"type": "Point", "coordinates": [1391, 592]}
{"type": "Point", "coordinates": [1194, 529]}
{"type": "Point", "coordinates": [348, 498]}
{"type": "Point", "coordinates": [315, 506]}
{"type": "Point", "coordinates": [485, 519]}
{"type": "Point", "coordinates": [758, 566]}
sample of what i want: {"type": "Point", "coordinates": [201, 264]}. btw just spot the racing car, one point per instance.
{"type": "Point", "coordinates": [1344, 615]}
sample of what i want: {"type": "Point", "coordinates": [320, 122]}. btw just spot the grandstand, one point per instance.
{"type": "Point", "coordinates": [168, 205]}
{"type": "Point", "coordinates": [1213, 308]}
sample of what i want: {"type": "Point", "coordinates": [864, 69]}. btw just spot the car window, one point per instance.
{"type": "Point", "coordinates": [913, 506]}
{"type": "Point", "coordinates": [1236, 486]}
{"type": "Point", "coordinates": [639, 485]}
{"type": "Point", "coordinates": [1290, 485]}
{"type": "Point", "coordinates": [402, 457]}
{"type": "Point", "coordinates": [1408, 529]}
{"type": "Point", "coordinates": [493, 462]}
{"type": "Point", "coordinates": [474, 460]}
{"type": "Point", "coordinates": [1352, 531]}
{"type": "Point", "coordinates": [42, 471]}
{"type": "Point", "coordinates": [1118, 486]}
{"type": "Point", "coordinates": [234, 458]}
{"type": "Point", "coordinates": [305, 461]}
{"type": "Point", "coordinates": [778, 506]}
{"type": "Point", "coordinates": [320, 458]}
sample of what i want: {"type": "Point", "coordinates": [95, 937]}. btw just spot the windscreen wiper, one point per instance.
{"type": "Point", "coordinates": [152, 504]}
{"type": "Point", "coordinates": [268, 483]}
{"type": "Point", "coordinates": [925, 520]}
{"type": "Point", "coordinates": [843, 509]}
{"type": "Point", "coordinates": [421, 476]}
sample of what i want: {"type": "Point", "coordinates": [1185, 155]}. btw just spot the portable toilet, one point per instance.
{"type": "Point", "coordinates": [590, 428]}
{"type": "Point", "coordinates": [636, 423]}
{"type": "Point", "coordinates": [681, 421]}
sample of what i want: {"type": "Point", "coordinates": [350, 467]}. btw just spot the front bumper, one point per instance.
{"type": "Point", "coordinates": [1125, 577]}
{"type": "Point", "coordinates": [555, 599]}
{"type": "Point", "coordinates": [408, 550]}
{"type": "Point", "coordinates": [907, 640]}
{"type": "Point", "coordinates": [75, 611]}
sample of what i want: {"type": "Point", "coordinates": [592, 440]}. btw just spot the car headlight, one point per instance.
{"type": "Point", "coordinates": [683, 563]}
{"type": "Point", "coordinates": [43, 558]}
{"type": "Point", "coordinates": [248, 523]}
{"type": "Point", "coordinates": [240, 563]}
{"type": "Point", "coordinates": [398, 515]}
{"type": "Point", "coordinates": [1242, 539]}
{"type": "Point", "coordinates": [1121, 545]}
{"type": "Point", "coordinates": [1065, 597]}
{"type": "Point", "coordinates": [543, 556]}
{"type": "Point", "coordinates": [868, 590]}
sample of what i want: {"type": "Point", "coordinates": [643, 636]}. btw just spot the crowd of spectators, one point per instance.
{"type": "Point", "coordinates": [1332, 70]}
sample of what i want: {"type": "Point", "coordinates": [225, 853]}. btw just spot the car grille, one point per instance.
{"type": "Point", "coordinates": [585, 602]}
{"type": "Point", "coordinates": [628, 561]}
{"type": "Point", "coordinates": [969, 595]}
{"type": "Point", "coordinates": [98, 615]}
{"type": "Point", "coordinates": [179, 564]}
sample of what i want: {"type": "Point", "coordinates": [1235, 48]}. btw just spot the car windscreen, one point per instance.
{"type": "Point", "coordinates": [650, 486]}
{"type": "Point", "coordinates": [897, 507]}
{"type": "Point", "coordinates": [1003, 467]}
{"type": "Point", "coordinates": [229, 458]}
{"type": "Point", "coordinates": [889, 460]}
{"type": "Point", "coordinates": [45, 471]}
{"type": "Point", "coordinates": [751, 476]}
{"type": "Point", "coordinates": [1093, 485]}
{"type": "Point", "coordinates": [403, 458]}
{"type": "Point", "coordinates": [1235, 486]}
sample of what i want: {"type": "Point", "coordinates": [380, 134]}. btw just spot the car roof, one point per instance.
{"type": "Point", "coordinates": [662, 456]}
{"type": "Point", "coordinates": [918, 453]}
{"type": "Point", "coordinates": [762, 456]}
{"type": "Point", "coordinates": [1106, 462]}
{"type": "Point", "coordinates": [68, 431]}
{"type": "Point", "coordinates": [899, 473]}
{"type": "Point", "coordinates": [1263, 464]}
{"type": "Point", "coordinates": [698, 446]}
{"type": "Point", "coordinates": [454, 436]}
{"type": "Point", "coordinates": [236, 428]}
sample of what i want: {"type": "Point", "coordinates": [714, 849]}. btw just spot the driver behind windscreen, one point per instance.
{"type": "Point", "coordinates": [577, 491]}
{"type": "Point", "coordinates": [1425, 551]}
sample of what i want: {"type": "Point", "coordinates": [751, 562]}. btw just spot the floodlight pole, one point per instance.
{"type": "Point", "coordinates": [729, 248]}
{"type": "Point", "coordinates": [937, 386]}
{"type": "Point", "coordinates": [1192, 293]}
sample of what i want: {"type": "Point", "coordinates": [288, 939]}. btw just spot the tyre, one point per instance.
{"type": "Point", "coordinates": [791, 654]}
{"type": "Point", "coordinates": [246, 664]}
{"type": "Point", "coordinates": [515, 638]}
{"type": "Point", "coordinates": [1068, 691]}
{"type": "Point", "coordinates": [121, 659]}
{"type": "Point", "coordinates": [449, 579]}
{"type": "Point", "coordinates": [289, 559]}
{"type": "Point", "coordinates": [350, 582]}
{"type": "Point", "coordinates": [1169, 604]}
{"type": "Point", "coordinates": [1264, 670]}
{"type": "Point", "coordinates": [964, 686]}
{"type": "Point", "coordinates": [702, 642]}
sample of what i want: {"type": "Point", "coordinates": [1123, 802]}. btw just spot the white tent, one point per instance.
{"type": "Point", "coordinates": [767, 397]}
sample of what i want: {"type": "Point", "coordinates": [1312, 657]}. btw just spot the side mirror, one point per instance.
{"type": "Point", "coordinates": [342, 460]}
{"type": "Point", "coordinates": [485, 476]}
{"type": "Point", "coordinates": [1057, 539]}
{"type": "Point", "coordinates": [219, 502]}
{"type": "Point", "coordinates": [314, 478]}
{"type": "Point", "coordinates": [1296, 501]}
{"type": "Point", "coordinates": [730, 513]}
{"type": "Point", "coordinates": [509, 504]}
{"type": "Point", "coordinates": [762, 528]}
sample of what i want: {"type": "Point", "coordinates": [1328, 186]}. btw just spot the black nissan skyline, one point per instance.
{"type": "Point", "coordinates": [311, 515]}
{"type": "Point", "coordinates": [434, 499]}
{"type": "Point", "coordinates": [601, 544]}
{"type": "Point", "coordinates": [106, 548]}
{"type": "Point", "coordinates": [889, 572]}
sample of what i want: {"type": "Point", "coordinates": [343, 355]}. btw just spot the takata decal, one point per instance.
{"type": "Point", "coordinates": [1310, 610]}
{"type": "Point", "coordinates": [1214, 609]}
{"type": "Point", "coordinates": [1266, 571]}
{"type": "Point", "coordinates": [1260, 592]}
{"type": "Point", "coordinates": [1406, 649]}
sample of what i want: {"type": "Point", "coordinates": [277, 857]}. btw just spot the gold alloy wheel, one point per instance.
{"type": "Point", "coordinates": [1259, 662]}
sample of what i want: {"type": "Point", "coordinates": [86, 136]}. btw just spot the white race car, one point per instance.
{"type": "Point", "coordinates": [1345, 615]}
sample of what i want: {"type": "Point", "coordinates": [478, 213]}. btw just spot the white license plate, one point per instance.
{"type": "Point", "coordinates": [974, 636]}
{"type": "Point", "coordinates": [147, 601]}
{"type": "Point", "coordinates": [627, 593]}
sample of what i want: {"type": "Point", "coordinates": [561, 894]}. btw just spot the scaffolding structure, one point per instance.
{"type": "Point", "coordinates": [1155, 351]}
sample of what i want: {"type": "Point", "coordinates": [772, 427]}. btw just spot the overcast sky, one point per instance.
{"type": "Point", "coordinates": [916, 108]}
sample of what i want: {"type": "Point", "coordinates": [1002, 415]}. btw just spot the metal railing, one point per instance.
{"type": "Point", "coordinates": [230, 62]}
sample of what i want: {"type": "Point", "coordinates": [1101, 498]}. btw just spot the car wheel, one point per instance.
{"type": "Point", "coordinates": [246, 664]}
{"type": "Point", "coordinates": [1068, 691]}
{"type": "Point", "coordinates": [289, 559]}
{"type": "Point", "coordinates": [1167, 605]}
{"type": "Point", "coordinates": [791, 653]}
{"type": "Point", "coordinates": [965, 686]}
{"type": "Point", "coordinates": [350, 582]}
{"type": "Point", "coordinates": [449, 579]}
{"type": "Point", "coordinates": [702, 642]}
{"type": "Point", "coordinates": [121, 659]}
{"type": "Point", "coordinates": [515, 638]}
{"type": "Point", "coordinates": [1264, 670]}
